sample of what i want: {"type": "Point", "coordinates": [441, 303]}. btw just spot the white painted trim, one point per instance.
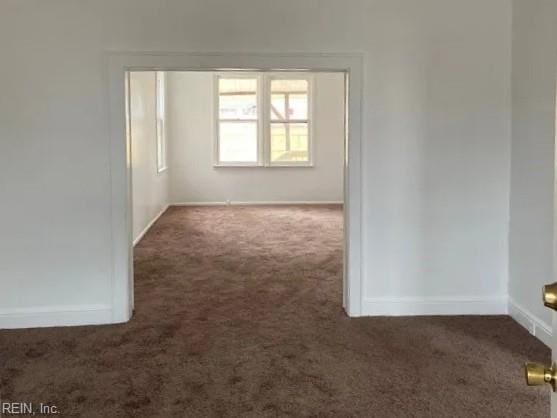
{"type": "Point", "coordinates": [535, 326]}
{"type": "Point", "coordinates": [118, 62]}
{"type": "Point", "coordinates": [149, 225]}
{"type": "Point", "coordinates": [199, 204]}
{"type": "Point", "coordinates": [259, 203]}
{"type": "Point", "coordinates": [411, 306]}
{"type": "Point", "coordinates": [55, 316]}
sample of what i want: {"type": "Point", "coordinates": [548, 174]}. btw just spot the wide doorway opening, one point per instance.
{"type": "Point", "coordinates": [237, 189]}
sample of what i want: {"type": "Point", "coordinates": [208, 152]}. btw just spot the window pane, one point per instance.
{"type": "Point", "coordinates": [160, 146]}
{"type": "Point", "coordinates": [289, 99]}
{"type": "Point", "coordinates": [237, 98]}
{"type": "Point", "coordinates": [289, 142]}
{"type": "Point", "coordinates": [278, 106]}
{"type": "Point", "coordinates": [298, 106]}
{"type": "Point", "coordinates": [160, 121]}
{"type": "Point", "coordinates": [278, 140]}
{"type": "Point", "coordinates": [238, 142]}
{"type": "Point", "coordinates": [161, 93]}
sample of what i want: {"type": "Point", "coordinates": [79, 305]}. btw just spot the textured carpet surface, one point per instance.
{"type": "Point", "coordinates": [238, 314]}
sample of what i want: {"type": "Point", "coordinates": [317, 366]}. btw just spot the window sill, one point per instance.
{"type": "Point", "coordinates": [290, 166]}
{"type": "Point", "coordinates": [263, 166]}
{"type": "Point", "coordinates": [225, 165]}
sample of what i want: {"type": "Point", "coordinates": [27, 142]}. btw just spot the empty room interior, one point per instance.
{"type": "Point", "coordinates": [267, 209]}
{"type": "Point", "coordinates": [237, 192]}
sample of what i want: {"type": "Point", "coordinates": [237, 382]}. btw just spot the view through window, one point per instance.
{"type": "Point", "coordinates": [289, 121]}
{"type": "Point", "coordinates": [263, 119]}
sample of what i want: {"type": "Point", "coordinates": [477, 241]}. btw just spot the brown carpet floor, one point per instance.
{"type": "Point", "coordinates": [238, 314]}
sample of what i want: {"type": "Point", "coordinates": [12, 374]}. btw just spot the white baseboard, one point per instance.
{"type": "Point", "coordinates": [537, 327]}
{"type": "Point", "coordinates": [198, 204]}
{"type": "Point", "coordinates": [259, 203]}
{"type": "Point", "coordinates": [55, 316]}
{"type": "Point", "coordinates": [149, 225]}
{"type": "Point", "coordinates": [411, 306]}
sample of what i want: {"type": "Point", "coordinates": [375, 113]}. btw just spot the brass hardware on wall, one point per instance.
{"type": "Point", "coordinates": [550, 296]}
{"type": "Point", "coordinates": [537, 375]}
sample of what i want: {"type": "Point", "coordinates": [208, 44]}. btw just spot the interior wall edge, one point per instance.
{"type": "Point", "coordinates": [535, 325]}
{"type": "Point", "coordinates": [149, 225]}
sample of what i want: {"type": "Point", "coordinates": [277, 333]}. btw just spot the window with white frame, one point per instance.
{"type": "Point", "coordinates": [160, 87]}
{"type": "Point", "coordinates": [289, 121]}
{"type": "Point", "coordinates": [263, 120]}
{"type": "Point", "coordinates": [238, 126]}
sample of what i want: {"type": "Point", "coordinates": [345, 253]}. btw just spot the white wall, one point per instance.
{"type": "Point", "coordinates": [435, 155]}
{"type": "Point", "coordinates": [149, 187]}
{"type": "Point", "coordinates": [533, 155]}
{"type": "Point", "coordinates": [191, 132]}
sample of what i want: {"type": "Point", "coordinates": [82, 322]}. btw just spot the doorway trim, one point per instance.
{"type": "Point", "coordinates": [119, 63]}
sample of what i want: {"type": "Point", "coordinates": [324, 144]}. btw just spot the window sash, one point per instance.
{"type": "Point", "coordinates": [287, 122]}
{"type": "Point", "coordinates": [255, 120]}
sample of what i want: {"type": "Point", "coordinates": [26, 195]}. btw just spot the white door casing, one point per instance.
{"type": "Point", "coordinates": [119, 63]}
{"type": "Point", "coordinates": [554, 315]}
